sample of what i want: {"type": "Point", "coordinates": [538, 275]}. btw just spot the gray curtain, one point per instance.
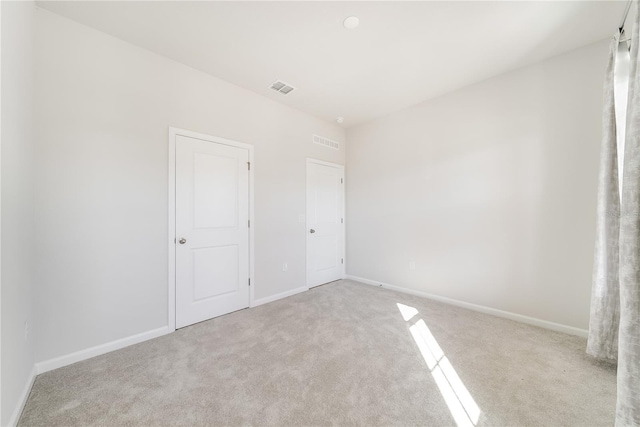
{"type": "Point", "coordinates": [614, 328]}
{"type": "Point", "coordinates": [605, 298]}
{"type": "Point", "coordinates": [628, 406]}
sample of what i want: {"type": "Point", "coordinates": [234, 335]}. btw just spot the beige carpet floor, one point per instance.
{"type": "Point", "coordinates": [341, 354]}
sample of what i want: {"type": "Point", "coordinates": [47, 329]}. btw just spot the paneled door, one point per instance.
{"type": "Point", "coordinates": [212, 229]}
{"type": "Point", "coordinates": [325, 222]}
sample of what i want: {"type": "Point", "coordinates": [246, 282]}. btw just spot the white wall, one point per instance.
{"type": "Point", "coordinates": [491, 190]}
{"type": "Point", "coordinates": [17, 205]}
{"type": "Point", "coordinates": [103, 112]}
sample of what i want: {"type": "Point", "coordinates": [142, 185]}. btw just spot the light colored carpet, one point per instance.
{"type": "Point", "coordinates": [340, 354]}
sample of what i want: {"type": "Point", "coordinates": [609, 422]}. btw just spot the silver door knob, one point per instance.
{"type": "Point", "coordinates": [182, 241]}
{"type": "Point", "coordinates": [312, 231]}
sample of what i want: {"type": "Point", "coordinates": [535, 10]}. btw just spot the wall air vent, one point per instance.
{"type": "Point", "coordinates": [281, 87]}
{"type": "Point", "coordinates": [326, 142]}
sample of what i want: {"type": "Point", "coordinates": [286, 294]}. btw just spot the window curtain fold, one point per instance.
{"type": "Point", "coordinates": [604, 322]}
{"type": "Point", "coordinates": [614, 327]}
{"type": "Point", "coordinates": [628, 400]}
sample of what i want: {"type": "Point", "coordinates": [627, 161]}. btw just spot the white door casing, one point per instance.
{"type": "Point", "coordinates": [325, 222]}
{"type": "Point", "coordinates": [211, 264]}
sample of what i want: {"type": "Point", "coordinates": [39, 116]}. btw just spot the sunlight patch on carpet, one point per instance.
{"type": "Point", "coordinates": [463, 408]}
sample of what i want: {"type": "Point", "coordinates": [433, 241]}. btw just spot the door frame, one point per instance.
{"type": "Point", "coordinates": [171, 243]}
{"type": "Point", "coordinates": [306, 218]}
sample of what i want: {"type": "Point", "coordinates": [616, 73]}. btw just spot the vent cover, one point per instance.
{"type": "Point", "coordinates": [281, 87]}
{"type": "Point", "coordinates": [326, 142]}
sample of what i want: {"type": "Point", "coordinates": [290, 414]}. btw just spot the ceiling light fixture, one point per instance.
{"type": "Point", "coordinates": [340, 120]}
{"type": "Point", "coordinates": [351, 22]}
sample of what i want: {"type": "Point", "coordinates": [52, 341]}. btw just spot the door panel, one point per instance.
{"type": "Point", "coordinates": [212, 213]}
{"type": "Point", "coordinates": [327, 193]}
{"type": "Point", "coordinates": [327, 252]}
{"type": "Point", "coordinates": [325, 228]}
{"type": "Point", "coordinates": [217, 270]}
{"type": "Point", "coordinates": [215, 180]}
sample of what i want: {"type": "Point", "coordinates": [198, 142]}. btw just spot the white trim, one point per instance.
{"type": "Point", "coordinates": [323, 163]}
{"type": "Point", "coordinates": [344, 216]}
{"type": "Point", "coordinates": [59, 362]}
{"type": "Point", "coordinates": [281, 295]}
{"type": "Point", "coordinates": [171, 282]}
{"type": "Point", "coordinates": [480, 308]}
{"type": "Point", "coordinates": [252, 276]}
{"type": "Point", "coordinates": [22, 401]}
{"type": "Point", "coordinates": [171, 237]}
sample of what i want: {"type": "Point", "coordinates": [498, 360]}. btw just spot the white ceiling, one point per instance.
{"type": "Point", "coordinates": [401, 54]}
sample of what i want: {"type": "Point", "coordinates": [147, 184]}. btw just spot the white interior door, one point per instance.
{"type": "Point", "coordinates": [325, 222]}
{"type": "Point", "coordinates": [212, 229]}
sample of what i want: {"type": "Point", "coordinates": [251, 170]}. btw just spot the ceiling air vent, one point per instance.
{"type": "Point", "coordinates": [326, 142]}
{"type": "Point", "coordinates": [281, 87]}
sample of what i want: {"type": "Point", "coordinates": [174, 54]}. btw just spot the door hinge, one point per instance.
{"type": "Point", "coordinates": [341, 220]}
{"type": "Point", "coordinates": [341, 260]}
{"type": "Point", "coordinates": [249, 165]}
{"type": "Point", "coordinates": [249, 281]}
{"type": "Point", "coordinates": [249, 223]}
{"type": "Point", "coordinates": [341, 181]}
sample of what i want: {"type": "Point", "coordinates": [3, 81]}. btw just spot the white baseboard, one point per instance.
{"type": "Point", "coordinates": [475, 307]}
{"type": "Point", "coordinates": [59, 362]}
{"type": "Point", "coordinates": [276, 297]}
{"type": "Point", "coordinates": [88, 353]}
{"type": "Point", "coordinates": [15, 416]}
